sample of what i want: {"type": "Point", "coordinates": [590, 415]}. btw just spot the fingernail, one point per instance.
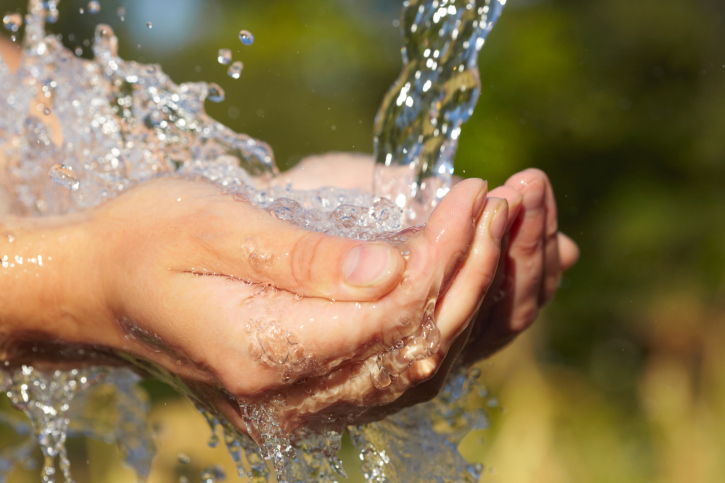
{"type": "Point", "coordinates": [498, 222]}
{"type": "Point", "coordinates": [480, 201]}
{"type": "Point", "coordinates": [368, 265]}
{"type": "Point", "coordinates": [534, 194]}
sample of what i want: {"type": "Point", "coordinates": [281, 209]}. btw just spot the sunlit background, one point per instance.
{"type": "Point", "coordinates": [621, 102]}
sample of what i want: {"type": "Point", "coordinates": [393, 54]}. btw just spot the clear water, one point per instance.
{"type": "Point", "coordinates": [419, 123]}
{"type": "Point", "coordinates": [124, 123]}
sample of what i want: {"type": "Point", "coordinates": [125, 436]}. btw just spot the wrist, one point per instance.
{"type": "Point", "coordinates": [50, 287]}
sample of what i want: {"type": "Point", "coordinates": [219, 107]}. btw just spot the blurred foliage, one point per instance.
{"type": "Point", "coordinates": [621, 103]}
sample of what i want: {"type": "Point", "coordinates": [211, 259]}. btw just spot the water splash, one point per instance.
{"type": "Point", "coordinates": [419, 122]}
{"type": "Point", "coordinates": [391, 449]}
{"type": "Point", "coordinates": [125, 123]}
{"type": "Point", "coordinates": [12, 22]}
{"type": "Point", "coordinates": [97, 403]}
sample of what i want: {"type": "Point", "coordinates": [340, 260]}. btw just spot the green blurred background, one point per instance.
{"type": "Point", "coordinates": [621, 102]}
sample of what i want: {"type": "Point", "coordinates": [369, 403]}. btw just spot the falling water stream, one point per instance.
{"type": "Point", "coordinates": [124, 123]}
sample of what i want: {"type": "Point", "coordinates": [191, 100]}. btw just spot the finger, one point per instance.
{"type": "Point", "coordinates": [552, 266]}
{"type": "Point", "coordinates": [568, 251]}
{"type": "Point", "coordinates": [265, 249]}
{"type": "Point", "coordinates": [464, 296]}
{"type": "Point", "coordinates": [448, 234]}
{"type": "Point", "coordinates": [525, 258]}
{"type": "Point", "coordinates": [513, 197]}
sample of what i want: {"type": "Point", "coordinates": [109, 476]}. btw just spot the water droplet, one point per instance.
{"type": "Point", "coordinates": [183, 479]}
{"type": "Point", "coordinates": [79, 51]}
{"type": "Point", "coordinates": [64, 176]}
{"type": "Point", "coordinates": [224, 57]}
{"type": "Point", "coordinates": [213, 474]}
{"type": "Point", "coordinates": [46, 111]}
{"type": "Point", "coordinates": [121, 12]}
{"type": "Point", "coordinates": [94, 7]}
{"type": "Point", "coordinates": [52, 15]}
{"type": "Point", "coordinates": [149, 25]}
{"type": "Point", "coordinates": [406, 282]}
{"type": "Point", "coordinates": [215, 93]}
{"type": "Point", "coordinates": [183, 458]}
{"type": "Point", "coordinates": [12, 21]}
{"type": "Point", "coordinates": [246, 37]}
{"type": "Point", "coordinates": [235, 70]}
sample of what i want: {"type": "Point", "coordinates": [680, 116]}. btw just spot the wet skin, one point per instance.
{"type": "Point", "coordinates": [177, 271]}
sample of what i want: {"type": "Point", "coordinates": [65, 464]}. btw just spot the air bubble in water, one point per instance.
{"type": "Point", "coordinates": [46, 111]}
{"type": "Point", "coordinates": [213, 474]}
{"type": "Point", "coordinates": [64, 176]}
{"type": "Point", "coordinates": [224, 57]}
{"type": "Point", "coordinates": [79, 51]}
{"type": "Point", "coordinates": [246, 37]}
{"type": "Point", "coordinates": [183, 458]}
{"type": "Point", "coordinates": [215, 93]}
{"type": "Point", "coordinates": [94, 7]}
{"type": "Point", "coordinates": [235, 70]}
{"type": "Point", "coordinates": [81, 10]}
{"type": "Point", "coordinates": [149, 25]}
{"type": "Point", "coordinates": [121, 12]}
{"type": "Point", "coordinates": [12, 21]}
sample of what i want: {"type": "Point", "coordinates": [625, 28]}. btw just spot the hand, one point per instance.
{"type": "Point", "coordinates": [234, 301]}
{"type": "Point", "coordinates": [535, 254]}
{"type": "Point", "coordinates": [531, 268]}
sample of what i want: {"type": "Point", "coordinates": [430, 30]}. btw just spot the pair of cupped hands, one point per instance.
{"type": "Point", "coordinates": [189, 277]}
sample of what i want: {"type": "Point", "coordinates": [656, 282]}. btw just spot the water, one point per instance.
{"type": "Point", "coordinates": [64, 176]}
{"type": "Point", "coordinates": [94, 7]}
{"type": "Point", "coordinates": [235, 70]}
{"type": "Point", "coordinates": [12, 22]}
{"type": "Point", "coordinates": [125, 123]}
{"type": "Point", "coordinates": [97, 403]}
{"type": "Point", "coordinates": [419, 123]}
{"type": "Point", "coordinates": [224, 57]}
{"type": "Point", "coordinates": [246, 37]}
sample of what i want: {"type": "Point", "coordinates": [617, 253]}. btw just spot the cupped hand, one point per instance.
{"type": "Point", "coordinates": [534, 255]}
{"type": "Point", "coordinates": [244, 308]}
{"type": "Point", "coordinates": [535, 252]}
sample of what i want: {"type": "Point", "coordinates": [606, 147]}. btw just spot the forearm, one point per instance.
{"type": "Point", "coordinates": [49, 283]}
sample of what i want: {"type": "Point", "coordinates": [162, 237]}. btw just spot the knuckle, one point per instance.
{"type": "Point", "coordinates": [302, 257]}
{"type": "Point", "coordinates": [525, 315]}
{"type": "Point", "coordinates": [527, 246]}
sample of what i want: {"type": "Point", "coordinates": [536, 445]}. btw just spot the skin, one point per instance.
{"type": "Point", "coordinates": [174, 272]}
